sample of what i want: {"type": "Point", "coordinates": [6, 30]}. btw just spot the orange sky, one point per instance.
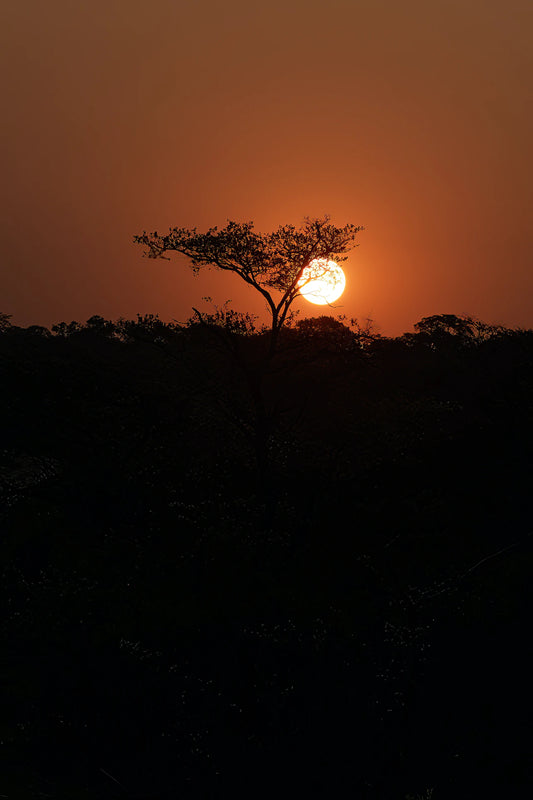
{"type": "Point", "coordinates": [414, 119]}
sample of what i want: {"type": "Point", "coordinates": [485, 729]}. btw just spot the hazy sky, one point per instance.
{"type": "Point", "coordinates": [414, 119]}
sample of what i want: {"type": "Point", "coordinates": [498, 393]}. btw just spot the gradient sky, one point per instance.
{"type": "Point", "coordinates": [414, 119]}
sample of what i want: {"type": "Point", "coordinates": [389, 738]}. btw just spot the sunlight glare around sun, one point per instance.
{"type": "Point", "coordinates": [322, 281]}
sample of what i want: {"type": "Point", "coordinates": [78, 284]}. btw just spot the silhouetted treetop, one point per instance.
{"type": "Point", "coordinates": [274, 260]}
{"type": "Point", "coordinates": [265, 261]}
{"type": "Point", "coordinates": [462, 327]}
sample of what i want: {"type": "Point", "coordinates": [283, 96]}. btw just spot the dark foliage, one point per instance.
{"type": "Point", "coordinates": [344, 611]}
{"type": "Point", "coordinates": [271, 263]}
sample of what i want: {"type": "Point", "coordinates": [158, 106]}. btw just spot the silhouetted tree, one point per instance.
{"type": "Point", "coordinates": [272, 261]}
{"type": "Point", "coordinates": [64, 329]}
{"type": "Point", "coordinates": [226, 319]}
{"type": "Point", "coordinates": [338, 334]}
{"type": "Point", "coordinates": [446, 324]}
{"type": "Point", "coordinates": [267, 262]}
{"type": "Point", "coordinates": [38, 330]}
{"type": "Point", "coordinates": [146, 328]}
{"type": "Point", "coordinates": [447, 328]}
{"type": "Point", "coordinates": [100, 326]}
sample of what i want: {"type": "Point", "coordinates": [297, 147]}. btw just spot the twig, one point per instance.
{"type": "Point", "coordinates": [113, 779]}
{"type": "Point", "coordinates": [494, 555]}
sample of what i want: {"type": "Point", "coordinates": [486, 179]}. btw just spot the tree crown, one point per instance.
{"type": "Point", "coordinates": [273, 260]}
{"type": "Point", "coordinates": [265, 261]}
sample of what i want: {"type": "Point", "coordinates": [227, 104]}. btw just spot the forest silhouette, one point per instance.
{"type": "Point", "coordinates": [331, 597]}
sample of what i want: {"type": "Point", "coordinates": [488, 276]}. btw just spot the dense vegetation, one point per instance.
{"type": "Point", "coordinates": [228, 574]}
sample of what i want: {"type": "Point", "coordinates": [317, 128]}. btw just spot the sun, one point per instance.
{"type": "Point", "coordinates": [322, 281]}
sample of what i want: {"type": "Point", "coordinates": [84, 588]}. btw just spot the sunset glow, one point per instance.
{"type": "Point", "coordinates": [425, 141]}
{"type": "Point", "coordinates": [322, 282]}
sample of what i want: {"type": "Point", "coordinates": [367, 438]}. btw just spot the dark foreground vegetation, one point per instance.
{"type": "Point", "coordinates": [228, 575]}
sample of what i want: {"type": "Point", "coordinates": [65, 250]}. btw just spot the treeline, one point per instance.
{"type": "Point", "coordinates": [230, 572]}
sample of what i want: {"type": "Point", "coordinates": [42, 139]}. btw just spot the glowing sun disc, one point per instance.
{"type": "Point", "coordinates": [322, 281]}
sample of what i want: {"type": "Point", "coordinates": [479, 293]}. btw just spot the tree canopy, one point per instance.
{"type": "Point", "coordinates": [271, 261]}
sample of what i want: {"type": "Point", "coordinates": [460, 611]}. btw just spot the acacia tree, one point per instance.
{"type": "Point", "coordinates": [271, 262]}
